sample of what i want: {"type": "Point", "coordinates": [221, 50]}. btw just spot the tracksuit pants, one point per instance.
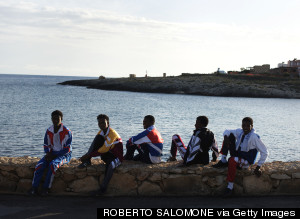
{"type": "Point", "coordinates": [143, 153]}
{"type": "Point", "coordinates": [178, 145]}
{"type": "Point", "coordinates": [234, 161]}
{"type": "Point", "coordinates": [111, 161]}
{"type": "Point", "coordinates": [51, 167]}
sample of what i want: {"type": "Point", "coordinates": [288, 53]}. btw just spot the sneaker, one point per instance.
{"type": "Point", "coordinates": [172, 158]}
{"type": "Point", "coordinates": [220, 164]}
{"type": "Point", "coordinates": [228, 193]}
{"type": "Point", "coordinates": [84, 164]}
{"type": "Point", "coordinates": [33, 191]}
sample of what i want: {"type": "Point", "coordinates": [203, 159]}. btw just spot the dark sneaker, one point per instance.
{"type": "Point", "coordinates": [172, 159]}
{"type": "Point", "coordinates": [33, 191]}
{"type": "Point", "coordinates": [84, 164]}
{"type": "Point", "coordinates": [45, 192]}
{"type": "Point", "coordinates": [228, 193]}
{"type": "Point", "coordinates": [220, 164]}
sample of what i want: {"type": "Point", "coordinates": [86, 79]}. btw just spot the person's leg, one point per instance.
{"type": "Point", "coordinates": [92, 152]}
{"type": "Point", "coordinates": [232, 166]}
{"type": "Point", "coordinates": [144, 154]}
{"type": "Point", "coordinates": [234, 163]}
{"type": "Point", "coordinates": [130, 149]}
{"type": "Point", "coordinates": [177, 145]}
{"type": "Point", "coordinates": [109, 173]}
{"type": "Point", "coordinates": [224, 152]}
{"type": "Point", "coordinates": [52, 168]}
{"type": "Point", "coordinates": [38, 172]}
{"type": "Point", "coordinates": [111, 163]}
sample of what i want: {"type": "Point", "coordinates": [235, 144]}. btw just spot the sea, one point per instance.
{"type": "Point", "coordinates": [26, 103]}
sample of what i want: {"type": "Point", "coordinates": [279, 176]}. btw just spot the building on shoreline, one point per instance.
{"type": "Point", "coordinates": [291, 69]}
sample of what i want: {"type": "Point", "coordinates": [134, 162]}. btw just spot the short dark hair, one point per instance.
{"type": "Point", "coordinates": [203, 120]}
{"type": "Point", "coordinates": [103, 116]}
{"type": "Point", "coordinates": [57, 113]}
{"type": "Point", "coordinates": [150, 118]}
{"type": "Point", "coordinates": [248, 119]}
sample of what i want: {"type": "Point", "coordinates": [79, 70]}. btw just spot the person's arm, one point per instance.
{"type": "Point", "coordinates": [235, 132]}
{"type": "Point", "coordinates": [140, 138]}
{"type": "Point", "coordinates": [262, 149]}
{"type": "Point", "coordinates": [47, 148]}
{"type": "Point", "coordinates": [263, 154]}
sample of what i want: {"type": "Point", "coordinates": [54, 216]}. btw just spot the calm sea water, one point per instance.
{"type": "Point", "coordinates": [26, 103]}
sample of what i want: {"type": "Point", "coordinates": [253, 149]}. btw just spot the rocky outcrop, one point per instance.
{"type": "Point", "coordinates": [164, 179]}
{"type": "Point", "coordinates": [206, 85]}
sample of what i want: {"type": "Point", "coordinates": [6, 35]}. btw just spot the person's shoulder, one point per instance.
{"type": "Point", "coordinates": [65, 128]}
{"type": "Point", "coordinates": [113, 132]}
{"type": "Point", "coordinates": [50, 129]}
{"type": "Point", "coordinates": [152, 127]}
{"type": "Point", "coordinates": [254, 135]}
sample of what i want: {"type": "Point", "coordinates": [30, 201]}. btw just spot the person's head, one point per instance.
{"type": "Point", "coordinates": [103, 121]}
{"type": "Point", "coordinates": [148, 121]}
{"type": "Point", "coordinates": [247, 124]}
{"type": "Point", "coordinates": [201, 122]}
{"type": "Point", "coordinates": [56, 117]}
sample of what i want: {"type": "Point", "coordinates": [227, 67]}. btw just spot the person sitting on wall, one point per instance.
{"type": "Point", "coordinates": [109, 146]}
{"type": "Point", "coordinates": [243, 145]}
{"type": "Point", "coordinates": [200, 144]}
{"type": "Point", "coordinates": [58, 149]}
{"type": "Point", "coordinates": [148, 143]}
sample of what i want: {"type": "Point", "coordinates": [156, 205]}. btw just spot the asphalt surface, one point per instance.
{"type": "Point", "coordinates": [19, 206]}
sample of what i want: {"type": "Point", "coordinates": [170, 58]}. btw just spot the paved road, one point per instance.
{"type": "Point", "coordinates": [18, 206]}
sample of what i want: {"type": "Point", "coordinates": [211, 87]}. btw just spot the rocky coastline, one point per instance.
{"type": "Point", "coordinates": [201, 84]}
{"type": "Point", "coordinates": [165, 179]}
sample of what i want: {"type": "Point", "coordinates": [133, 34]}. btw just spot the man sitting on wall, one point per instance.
{"type": "Point", "coordinates": [201, 143]}
{"type": "Point", "coordinates": [148, 143]}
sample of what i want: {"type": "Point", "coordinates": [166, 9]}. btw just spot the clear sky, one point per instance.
{"type": "Point", "coordinates": [116, 38]}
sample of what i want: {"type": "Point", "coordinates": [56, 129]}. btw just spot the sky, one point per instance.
{"type": "Point", "coordinates": [115, 38]}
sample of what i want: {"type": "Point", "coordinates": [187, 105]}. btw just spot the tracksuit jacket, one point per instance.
{"type": "Point", "coordinates": [59, 144]}
{"type": "Point", "coordinates": [154, 141]}
{"type": "Point", "coordinates": [250, 146]}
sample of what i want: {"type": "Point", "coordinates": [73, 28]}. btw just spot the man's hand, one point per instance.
{"type": "Point", "coordinates": [257, 171]}
{"type": "Point", "coordinates": [84, 158]}
{"type": "Point", "coordinates": [49, 156]}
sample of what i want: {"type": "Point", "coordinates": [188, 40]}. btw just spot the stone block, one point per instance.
{"type": "Point", "coordinates": [7, 167]}
{"type": "Point", "coordinates": [24, 185]}
{"type": "Point", "coordinates": [280, 176]}
{"type": "Point", "coordinates": [7, 185]}
{"type": "Point", "coordinates": [58, 186]}
{"type": "Point", "coordinates": [85, 185]}
{"type": "Point", "coordinates": [68, 177]}
{"type": "Point", "coordinates": [156, 177]}
{"type": "Point", "coordinates": [142, 176]}
{"type": "Point", "coordinates": [296, 175]}
{"type": "Point", "coordinates": [10, 176]}
{"type": "Point", "coordinates": [185, 185]}
{"type": "Point", "coordinates": [291, 187]}
{"type": "Point", "coordinates": [81, 175]}
{"type": "Point", "coordinates": [25, 172]}
{"type": "Point", "coordinates": [254, 185]}
{"type": "Point", "coordinates": [149, 189]}
{"type": "Point", "coordinates": [121, 184]}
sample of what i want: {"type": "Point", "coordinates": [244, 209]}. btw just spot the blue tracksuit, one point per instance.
{"type": "Point", "coordinates": [59, 144]}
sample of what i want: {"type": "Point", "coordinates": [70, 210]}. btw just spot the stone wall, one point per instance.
{"type": "Point", "coordinates": [165, 179]}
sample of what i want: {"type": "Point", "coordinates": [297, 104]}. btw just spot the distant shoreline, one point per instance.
{"type": "Point", "coordinates": [201, 84]}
